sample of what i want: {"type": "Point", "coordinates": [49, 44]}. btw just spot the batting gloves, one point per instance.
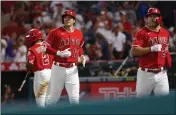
{"type": "Point", "coordinates": [64, 54]}
{"type": "Point", "coordinates": [156, 48]}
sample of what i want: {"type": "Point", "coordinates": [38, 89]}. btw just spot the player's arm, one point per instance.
{"type": "Point", "coordinates": [137, 49]}
{"type": "Point", "coordinates": [30, 61]}
{"type": "Point", "coordinates": [138, 43]}
{"type": "Point", "coordinates": [47, 46]}
{"type": "Point", "coordinates": [81, 58]}
{"type": "Point", "coordinates": [140, 51]}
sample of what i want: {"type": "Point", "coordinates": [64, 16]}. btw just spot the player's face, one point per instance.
{"type": "Point", "coordinates": [69, 20]}
{"type": "Point", "coordinates": [152, 20]}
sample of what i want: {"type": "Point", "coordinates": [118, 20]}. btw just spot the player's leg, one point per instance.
{"type": "Point", "coordinates": [44, 79]}
{"type": "Point", "coordinates": [37, 89]}
{"type": "Point", "coordinates": [35, 85]}
{"type": "Point", "coordinates": [56, 84]}
{"type": "Point", "coordinates": [145, 83]}
{"type": "Point", "coordinates": [162, 86]}
{"type": "Point", "coordinates": [72, 84]}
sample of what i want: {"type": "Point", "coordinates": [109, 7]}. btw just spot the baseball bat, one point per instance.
{"type": "Point", "coordinates": [126, 74]}
{"type": "Point", "coordinates": [24, 81]}
{"type": "Point", "coordinates": [120, 67]}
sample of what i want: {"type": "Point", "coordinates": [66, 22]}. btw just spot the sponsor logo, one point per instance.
{"type": "Point", "coordinates": [114, 93]}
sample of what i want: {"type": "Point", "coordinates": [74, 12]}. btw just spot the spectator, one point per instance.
{"type": "Point", "coordinates": [58, 11]}
{"type": "Point", "coordinates": [79, 22]}
{"type": "Point", "coordinates": [101, 21]}
{"type": "Point", "coordinates": [172, 39]}
{"type": "Point", "coordinates": [11, 45]}
{"type": "Point", "coordinates": [119, 41]}
{"type": "Point", "coordinates": [94, 51]}
{"type": "Point", "coordinates": [7, 6]}
{"type": "Point", "coordinates": [3, 48]}
{"type": "Point", "coordinates": [117, 17]}
{"type": "Point", "coordinates": [104, 46]}
{"type": "Point", "coordinates": [6, 18]}
{"type": "Point", "coordinates": [11, 28]}
{"type": "Point", "coordinates": [105, 28]}
{"type": "Point", "coordinates": [21, 50]}
{"type": "Point", "coordinates": [128, 40]}
{"type": "Point", "coordinates": [9, 95]}
{"type": "Point", "coordinates": [131, 14]}
{"type": "Point", "coordinates": [20, 12]}
{"type": "Point", "coordinates": [126, 24]}
{"type": "Point", "coordinates": [141, 8]}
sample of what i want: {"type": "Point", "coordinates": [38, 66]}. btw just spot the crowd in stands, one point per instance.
{"type": "Point", "coordinates": [8, 95]}
{"type": "Point", "coordinates": [108, 27]}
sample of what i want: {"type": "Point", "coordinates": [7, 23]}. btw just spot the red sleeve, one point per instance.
{"type": "Point", "coordinates": [50, 38]}
{"type": "Point", "coordinates": [81, 51]}
{"type": "Point", "coordinates": [51, 50]}
{"type": "Point", "coordinates": [49, 43]}
{"type": "Point", "coordinates": [138, 40]}
{"type": "Point", "coordinates": [31, 57]}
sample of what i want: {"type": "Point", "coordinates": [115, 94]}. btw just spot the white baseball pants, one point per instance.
{"type": "Point", "coordinates": [60, 77]}
{"type": "Point", "coordinates": [148, 83]}
{"type": "Point", "coordinates": [40, 85]}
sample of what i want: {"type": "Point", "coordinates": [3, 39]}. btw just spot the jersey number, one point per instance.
{"type": "Point", "coordinates": [45, 59]}
{"type": "Point", "coordinates": [75, 53]}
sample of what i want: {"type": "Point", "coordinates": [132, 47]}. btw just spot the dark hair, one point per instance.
{"type": "Point", "coordinates": [152, 14]}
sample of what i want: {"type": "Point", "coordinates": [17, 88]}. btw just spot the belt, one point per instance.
{"type": "Point", "coordinates": [66, 65]}
{"type": "Point", "coordinates": [156, 70]}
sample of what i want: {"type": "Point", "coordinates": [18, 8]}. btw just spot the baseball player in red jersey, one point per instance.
{"type": "Point", "coordinates": [66, 44]}
{"type": "Point", "coordinates": [151, 45]}
{"type": "Point", "coordinates": [39, 63]}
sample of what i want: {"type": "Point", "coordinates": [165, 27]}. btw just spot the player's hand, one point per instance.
{"type": "Point", "coordinates": [64, 54]}
{"type": "Point", "coordinates": [156, 48]}
{"type": "Point", "coordinates": [82, 60]}
{"type": "Point", "coordinates": [43, 48]}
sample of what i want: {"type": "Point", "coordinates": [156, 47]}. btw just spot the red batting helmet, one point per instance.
{"type": "Point", "coordinates": [70, 13]}
{"type": "Point", "coordinates": [33, 36]}
{"type": "Point", "coordinates": [153, 11]}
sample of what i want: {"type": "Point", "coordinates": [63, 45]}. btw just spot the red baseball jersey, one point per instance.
{"type": "Point", "coordinates": [147, 38]}
{"type": "Point", "coordinates": [38, 59]}
{"type": "Point", "coordinates": [60, 39]}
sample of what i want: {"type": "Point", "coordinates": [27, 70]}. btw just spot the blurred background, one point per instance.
{"type": "Point", "coordinates": [108, 29]}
